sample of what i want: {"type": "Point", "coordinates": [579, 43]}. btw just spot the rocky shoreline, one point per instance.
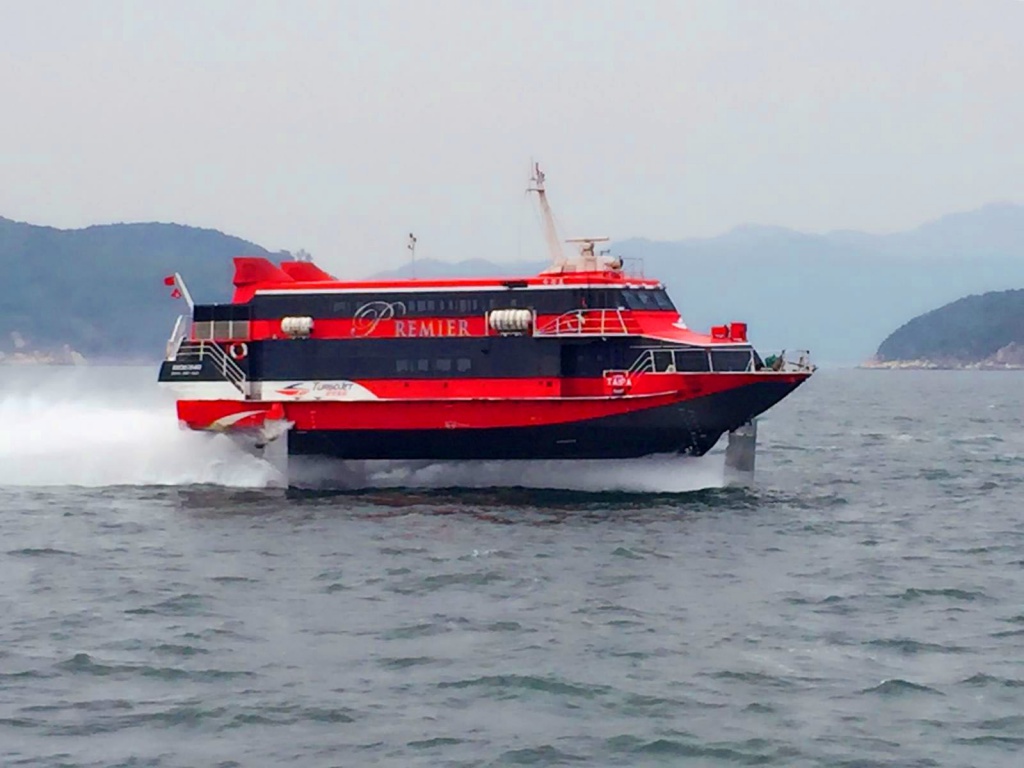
{"type": "Point", "coordinates": [931, 365]}
{"type": "Point", "coordinates": [1008, 358]}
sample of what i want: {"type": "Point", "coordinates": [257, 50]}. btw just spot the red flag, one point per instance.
{"type": "Point", "coordinates": [169, 280]}
{"type": "Point", "coordinates": [175, 294]}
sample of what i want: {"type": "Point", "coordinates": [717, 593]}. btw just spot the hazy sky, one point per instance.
{"type": "Point", "coordinates": [340, 126]}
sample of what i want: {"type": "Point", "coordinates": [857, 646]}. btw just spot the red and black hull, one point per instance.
{"type": "Point", "coordinates": [688, 420]}
{"type": "Point", "coordinates": [691, 426]}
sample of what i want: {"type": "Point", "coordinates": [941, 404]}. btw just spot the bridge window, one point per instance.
{"type": "Point", "coordinates": [646, 299]}
{"type": "Point", "coordinates": [662, 300]}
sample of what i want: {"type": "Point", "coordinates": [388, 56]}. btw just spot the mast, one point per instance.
{"type": "Point", "coordinates": [550, 230]}
{"type": "Point", "coordinates": [412, 252]}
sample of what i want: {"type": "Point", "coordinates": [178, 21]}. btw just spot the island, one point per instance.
{"type": "Point", "coordinates": [980, 332]}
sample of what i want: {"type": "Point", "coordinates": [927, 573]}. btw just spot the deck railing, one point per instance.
{"type": "Point", "coordinates": [590, 322]}
{"type": "Point", "coordinates": [200, 351]}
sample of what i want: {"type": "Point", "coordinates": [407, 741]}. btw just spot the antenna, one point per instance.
{"type": "Point", "coordinates": [412, 251]}
{"type": "Point", "coordinates": [550, 230]}
{"type": "Point", "coordinates": [588, 261]}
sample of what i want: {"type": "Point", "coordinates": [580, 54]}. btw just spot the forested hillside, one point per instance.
{"type": "Point", "coordinates": [983, 330]}
{"type": "Point", "coordinates": [99, 290]}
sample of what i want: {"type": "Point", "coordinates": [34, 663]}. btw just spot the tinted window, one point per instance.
{"type": "Point", "coordinates": [662, 300]}
{"type": "Point", "coordinates": [638, 300]}
{"type": "Point", "coordinates": [692, 360]}
{"type": "Point", "coordinates": [730, 359]}
{"type": "Point", "coordinates": [662, 361]}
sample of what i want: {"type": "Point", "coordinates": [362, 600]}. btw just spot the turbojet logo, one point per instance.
{"type": "Point", "coordinates": [338, 388]}
{"type": "Point", "coordinates": [321, 390]}
{"type": "Point", "coordinates": [294, 390]}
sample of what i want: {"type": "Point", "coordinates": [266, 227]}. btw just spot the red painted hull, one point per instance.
{"type": "Point", "coordinates": [688, 418]}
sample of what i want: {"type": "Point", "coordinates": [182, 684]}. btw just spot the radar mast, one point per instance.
{"type": "Point", "coordinates": [558, 260]}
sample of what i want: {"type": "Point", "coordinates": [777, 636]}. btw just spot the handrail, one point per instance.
{"type": "Point", "coordinates": [643, 364]}
{"type": "Point", "coordinates": [177, 336]}
{"type": "Point", "coordinates": [228, 368]}
{"type": "Point", "coordinates": [802, 364]}
{"type": "Point", "coordinates": [588, 322]}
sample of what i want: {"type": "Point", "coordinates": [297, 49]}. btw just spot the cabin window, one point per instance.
{"type": "Point", "coordinates": [402, 366]}
{"type": "Point", "coordinates": [422, 366]}
{"type": "Point", "coordinates": [692, 361]}
{"type": "Point", "coordinates": [733, 360]}
{"type": "Point", "coordinates": [443, 364]}
{"type": "Point", "coordinates": [463, 364]}
{"type": "Point", "coordinates": [647, 300]}
{"type": "Point", "coordinates": [222, 330]}
{"type": "Point", "coordinates": [662, 300]}
{"type": "Point", "coordinates": [663, 362]}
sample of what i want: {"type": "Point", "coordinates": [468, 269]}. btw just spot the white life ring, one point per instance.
{"type": "Point", "coordinates": [238, 351]}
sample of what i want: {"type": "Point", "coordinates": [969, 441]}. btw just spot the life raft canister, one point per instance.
{"type": "Point", "coordinates": [238, 351]}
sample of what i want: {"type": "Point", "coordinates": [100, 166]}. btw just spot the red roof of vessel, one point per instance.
{"type": "Point", "coordinates": [255, 273]}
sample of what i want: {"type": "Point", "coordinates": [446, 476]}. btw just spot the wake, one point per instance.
{"type": "Point", "coordinates": [62, 433]}
{"type": "Point", "coordinates": [88, 442]}
{"type": "Point", "coordinates": [653, 474]}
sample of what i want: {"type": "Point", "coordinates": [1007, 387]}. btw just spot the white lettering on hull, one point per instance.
{"type": "Point", "coordinates": [316, 390]}
{"type": "Point", "coordinates": [409, 329]}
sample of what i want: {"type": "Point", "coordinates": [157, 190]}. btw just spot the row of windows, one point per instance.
{"type": "Point", "coordinates": [545, 302]}
{"type": "Point", "coordinates": [207, 330]}
{"type": "Point", "coordinates": [649, 300]}
{"type": "Point", "coordinates": [697, 360]}
{"type": "Point", "coordinates": [439, 365]}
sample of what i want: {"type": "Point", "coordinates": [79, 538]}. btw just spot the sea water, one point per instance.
{"type": "Point", "coordinates": [861, 604]}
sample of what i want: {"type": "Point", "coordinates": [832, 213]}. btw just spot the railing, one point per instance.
{"type": "Point", "coordinates": [802, 364]}
{"type": "Point", "coordinates": [177, 336]}
{"type": "Point", "coordinates": [643, 364]}
{"type": "Point", "coordinates": [693, 360]}
{"type": "Point", "coordinates": [199, 351]}
{"type": "Point", "coordinates": [633, 266]}
{"type": "Point", "coordinates": [590, 322]}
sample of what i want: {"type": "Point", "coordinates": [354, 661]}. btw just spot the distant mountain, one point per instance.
{"type": "Point", "coordinates": [976, 331]}
{"type": "Point", "coordinates": [98, 290]}
{"type": "Point", "coordinates": [836, 293]}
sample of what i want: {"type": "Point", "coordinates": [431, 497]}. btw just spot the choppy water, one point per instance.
{"type": "Point", "coordinates": [863, 605]}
